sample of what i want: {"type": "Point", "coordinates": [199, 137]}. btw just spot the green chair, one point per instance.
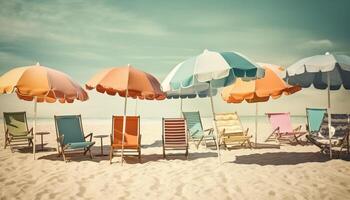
{"type": "Point", "coordinates": [16, 129]}
{"type": "Point", "coordinates": [195, 129]}
{"type": "Point", "coordinates": [70, 136]}
{"type": "Point", "coordinates": [314, 120]}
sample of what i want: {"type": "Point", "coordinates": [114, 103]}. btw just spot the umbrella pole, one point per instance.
{"type": "Point", "coordinates": [136, 107]}
{"type": "Point", "coordinates": [329, 115]}
{"type": "Point", "coordinates": [34, 125]}
{"type": "Point", "coordinates": [180, 104]}
{"type": "Point", "coordinates": [180, 107]}
{"type": "Point", "coordinates": [217, 133]}
{"type": "Point", "coordinates": [256, 124]}
{"type": "Point", "coordinates": [124, 125]}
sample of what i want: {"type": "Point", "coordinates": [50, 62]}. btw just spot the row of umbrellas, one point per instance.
{"type": "Point", "coordinates": [198, 76]}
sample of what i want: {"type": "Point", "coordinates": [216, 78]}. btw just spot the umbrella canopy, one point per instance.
{"type": "Point", "coordinates": [314, 71]}
{"type": "Point", "coordinates": [260, 90]}
{"type": "Point", "coordinates": [126, 81]}
{"type": "Point", "coordinates": [46, 84]}
{"type": "Point", "coordinates": [202, 74]}
{"type": "Point", "coordinates": [191, 78]}
{"type": "Point", "coordinates": [41, 84]}
{"type": "Point", "coordinates": [327, 71]}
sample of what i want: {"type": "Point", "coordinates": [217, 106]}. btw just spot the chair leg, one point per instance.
{"type": "Point", "coordinates": [110, 155]}
{"type": "Point", "coordinates": [199, 142]}
{"type": "Point", "coordinates": [63, 155]}
{"type": "Point", "coordinates": [186, 153]}
{"type": "Point", "coordinates": [139, 155]}
{"type": "Point", "coordinates": [163, 152]}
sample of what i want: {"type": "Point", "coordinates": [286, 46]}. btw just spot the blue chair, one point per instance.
{"type": "Point", "coordinates": [195, 129]}
{"type": "Point", "coordinates": [314, 120]}
{"type": "Point", "coordinates": [70, 135]}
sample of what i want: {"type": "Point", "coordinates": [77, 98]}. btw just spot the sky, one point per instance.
{"type": "Point", "coordinates": [83, 37]}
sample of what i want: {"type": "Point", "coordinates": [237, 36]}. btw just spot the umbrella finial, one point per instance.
{"type": "Point", "coordinates": [37, 64]}
{"type": "Point", "coordinates": [327, 53]}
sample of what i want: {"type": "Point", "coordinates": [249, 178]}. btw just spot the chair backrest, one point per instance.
{"type": "Point", "coordinates": [314, 119]}
{"type": "Point", "coordinates": [132, 130]}
{"type": "Point", "coordinates": [281, 121]}
{"type": "Point", "coordinates": [16, 123]}
{"type": "Point", "coordinates": [174, 131]}
{"type": "Point", "coordinates": [230, 122]}
{"type": "Point", "coordinates": [69, 126]}
{"type": "Point", "coordinates": [340, 122]}
{"type": "Point", "coordinates": [193, 122]}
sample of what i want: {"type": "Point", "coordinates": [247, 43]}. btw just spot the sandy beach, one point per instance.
{"type": "Point", "coordinates": [268, 172]}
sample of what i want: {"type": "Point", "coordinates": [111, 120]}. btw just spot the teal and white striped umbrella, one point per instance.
{"type": "Point", "coordinates": [203, 74]}
{"type": "Point", "coordinates": [192, 77]}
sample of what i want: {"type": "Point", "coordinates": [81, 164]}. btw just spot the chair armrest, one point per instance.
{"type": "Point", "coordinates": [297, 129]}
{"type": "Point", "coordinates": [31, 131]}
{"type": "Point", "coordinates": [209, 130]}
{"type": "Point", "coordinates": [246, 131]}
{"type": "Point", "coordinates": [89, 135]}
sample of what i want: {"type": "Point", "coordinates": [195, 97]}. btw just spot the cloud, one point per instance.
{"type": "Point", "coordinates": [317, 44]}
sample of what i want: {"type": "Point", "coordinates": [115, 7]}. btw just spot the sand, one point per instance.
{"type": "Point", "coordinates": [270, 172]}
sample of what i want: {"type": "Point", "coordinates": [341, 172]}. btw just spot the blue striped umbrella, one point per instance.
{"type": "Point", "coordinates": [327, 71]}
{"type": "Point", "coordinates": [203, 74]}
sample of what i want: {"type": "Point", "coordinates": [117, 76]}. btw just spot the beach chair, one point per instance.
{"type": "Point", "coordinates": [16, 129]}
{"type": "Point", "coordinates": [314, 118]}
{"type": "Point", "coordinates": [132, 137]}
{"type": "Point", "coordinates": [195, 129]}
{"type": "Point", "coordinates": [174, 135]}
{"type": "Point", "coordinates": [282, 129]}
{"type": "Point", "coordinates": [70, 136]}
{"type": "Point", "coordinates": [230, 130]}
{"type": "Point", "coordinates": [340, 134]}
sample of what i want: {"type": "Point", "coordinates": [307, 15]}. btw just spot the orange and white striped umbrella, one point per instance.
{"type": "Point", "coordinates": [43, 83]}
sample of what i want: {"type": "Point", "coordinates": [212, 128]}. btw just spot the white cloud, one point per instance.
{"type": "Point", "coordinates": [317, 44]}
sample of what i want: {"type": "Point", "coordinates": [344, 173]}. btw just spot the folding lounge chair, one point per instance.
{"type": "Point", "coordinates": [132, 137]}
{"type": "Point", "coordinates": [282, 129]}
{"type": "Point", "coordinates": [70, 136]}
{"type": "Point", "coordinates": [16, 129]}
{"type": "Point", "coordinates": [314, 120]}
{"type": "Point", "coordinates": [231, 131]}
{"type": "Point", "coordinates": [174, 135]}
{"type": "Point", "coordinates": [195, 129]}
{"type": "Point", "coordinates": [340, 136]}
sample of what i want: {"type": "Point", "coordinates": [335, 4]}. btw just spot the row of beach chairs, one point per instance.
{"type": "Point", "coordinates": [177, 132]}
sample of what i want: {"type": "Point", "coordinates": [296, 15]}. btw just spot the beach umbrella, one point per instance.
{"type": "Point", "coordinates": [41, 84]}
{"type": "Point", "coordinates": [126, 81]}
{"type": "Point", "coordinates": [260, 90]}
{"type": "Point", "coordinates": [329, 71]}
{"type": "Point", "coordinates": [203, 74]}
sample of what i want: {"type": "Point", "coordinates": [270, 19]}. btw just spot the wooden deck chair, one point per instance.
{"type": "Point", "coordinates": [174, 135]}
{"type": "Point", "coordinates": [231, 131]}
{"type": "Point", "coordinates": [195, 129]}
{"type": "Point", "coordinates": [16, 129]}
{"type": "Point", "coordinates": [132, 137]}
{"type": "Point", "coordinates": [70, 136]}
{"type": "Point", "coordinates": [340, 134]}
{"type": "Point", "coordinates": [314, 118]}
{"type": "Point", "coordinates": [282, 129]}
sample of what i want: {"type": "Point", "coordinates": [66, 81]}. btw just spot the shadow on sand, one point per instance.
{"type": "Point", "coordinates": [283, 158]}
{"type": "Point", "coordinates": [78, 157]}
